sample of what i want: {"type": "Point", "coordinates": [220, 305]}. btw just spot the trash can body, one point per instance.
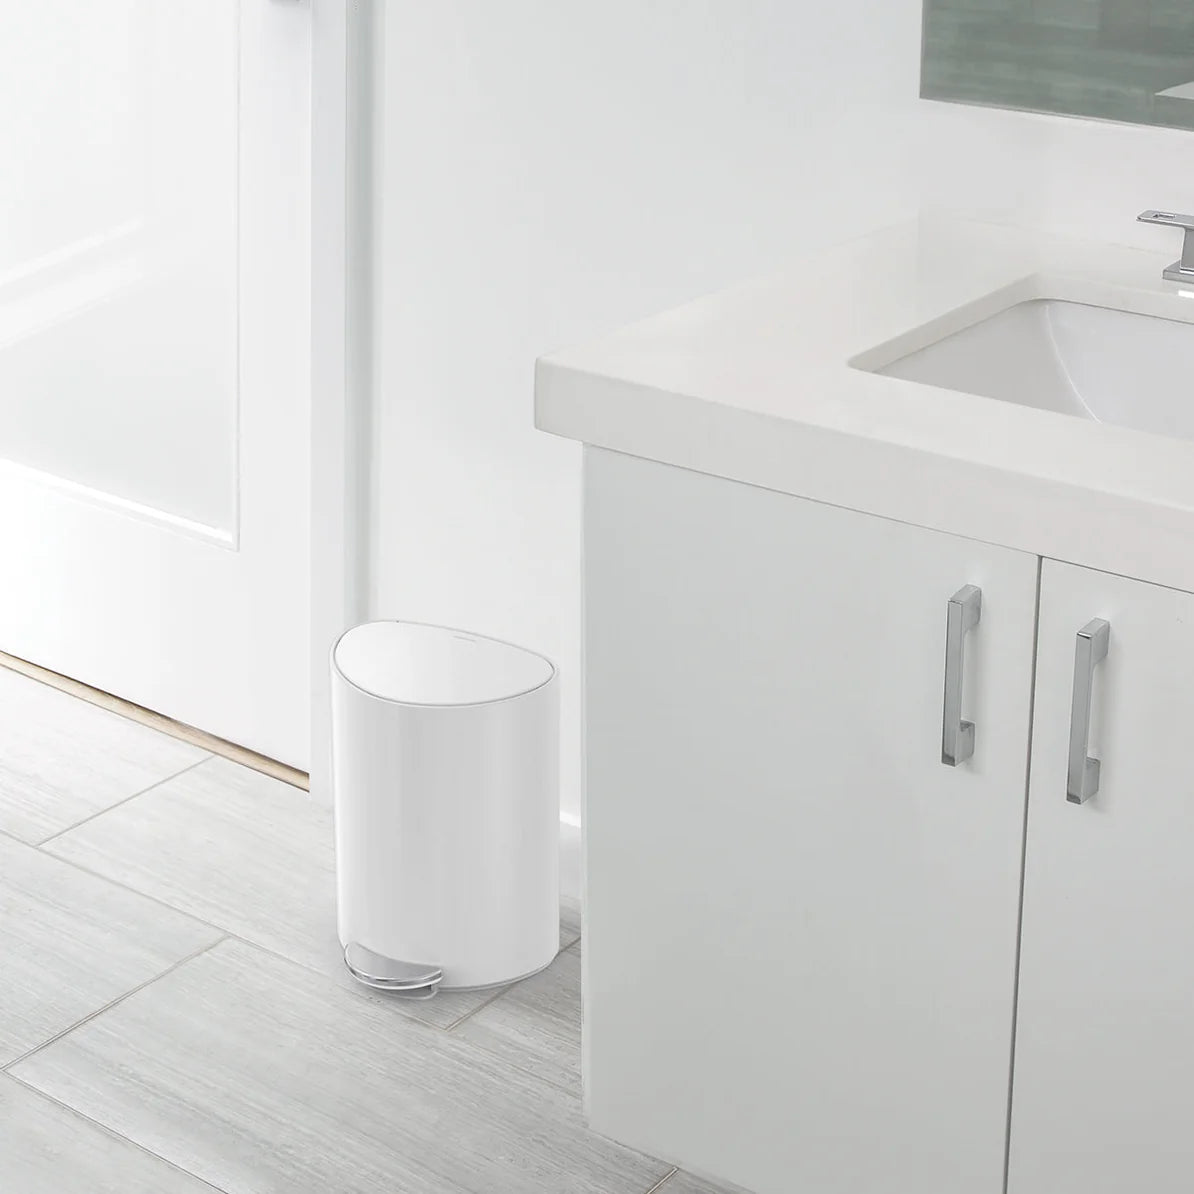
{"type": "Point", "coordinates": [446, 786]}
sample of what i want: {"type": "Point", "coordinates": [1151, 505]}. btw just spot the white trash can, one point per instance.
{"type": "Point", "coordinates": [445, 770]}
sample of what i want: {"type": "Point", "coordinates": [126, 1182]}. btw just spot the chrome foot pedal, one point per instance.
{"type": "Point", "coordinates": [414, 980]}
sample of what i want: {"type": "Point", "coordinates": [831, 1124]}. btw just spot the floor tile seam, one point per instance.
{"type": "Point", "coordinates": [253, 946]}
{"type": "Point", "coordinates": [121, 802]}
{"type": "Point", "coordinates": [228, 934]}
{"type": "Point", "coordinates": [502, 1058]}
{"type": "Point", "coordinates": [488, 1002]}
{"type": "Point", "coordinates": [107, 1007]}
{"type": "Point", "coordinates": [111, 1132]}
{"type": "Point", "coordinates": [510, 988]}
{"type": "Point", "coordinates": [86, 870]}
{"type": "Point", "coordinates": [395, 1001]}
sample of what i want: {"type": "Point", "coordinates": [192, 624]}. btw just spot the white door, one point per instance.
{"type": "Point", "coordinates": [800, 924]}
{"type": "Point", "coordinates": [1103, 1097]}
{"type": "Point", "coordinates": [154, 316]}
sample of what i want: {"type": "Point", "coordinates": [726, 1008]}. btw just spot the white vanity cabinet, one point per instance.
{"type": "Point", "coordinates": [802, 925]}
{"type": "Point", "coordinates": [1103, 1097]}
{"type": "Point", "coordinates": [800, 946]}
{"type": "Point", "coordinates": [819, 959]}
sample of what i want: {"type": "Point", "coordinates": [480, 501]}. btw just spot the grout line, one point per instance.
{"type": "Point", "coordinates": [231, 935]}
{"type": "Point", "coordinates": [135, 891]}
{"type": "Point", "coordinates": [374, 996]}
{"type": "Point", "coordinates": [110, 1132]}
{"type": "Point", "coordinates": [226, 934]}
{"type": "Point", "coordinates": [508, 988]}
{"type": "Point", "coordinates": [110, 1005]}
{"type": "Point", "coordinates": [142, 792]}
{"type": "Point", "coordinates": [663, 1181]}
{"type": "Point", "coordinates": [482, 1006]}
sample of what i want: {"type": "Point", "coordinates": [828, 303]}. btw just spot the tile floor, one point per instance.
{"type": "Point", "coordinates": [175, 1018]}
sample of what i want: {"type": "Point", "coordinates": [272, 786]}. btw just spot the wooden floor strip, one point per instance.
{"type": "Point", "coordinates": [166, 725]}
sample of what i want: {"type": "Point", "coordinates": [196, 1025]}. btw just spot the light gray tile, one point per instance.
{"type": "Point", "coordinates": [259, 1075]}
{"type": "Point", "coordinates": [63, 760]}
{"type": "Point", "coordinates": [229, 845]}
{"type": "Point", "coordinates": [248, 853]}
{"type": "Point", "coordinates": [71, 943]}
{"type": "Point", "coordinates": [45, 1149]}
{"type": "Point", "coordinates": [536, 1025]}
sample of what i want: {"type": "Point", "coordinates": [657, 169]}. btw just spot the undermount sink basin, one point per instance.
{"type": "Point", "coordinates": [1093, 362]}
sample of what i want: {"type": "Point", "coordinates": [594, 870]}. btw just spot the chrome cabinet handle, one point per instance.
{"type": "Point", "coordinates": [957, 736]}
{"type": "Point", "coordinates": [1082, 780]}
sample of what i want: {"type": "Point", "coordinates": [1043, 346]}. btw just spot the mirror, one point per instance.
{"type": "Point", "coordinates": [1128, 60]}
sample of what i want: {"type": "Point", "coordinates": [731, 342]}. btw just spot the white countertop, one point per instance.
{"type": "Point", "coordinates": [754, 384]}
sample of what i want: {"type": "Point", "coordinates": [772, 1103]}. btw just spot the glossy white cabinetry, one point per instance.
{"type": "Point", "coordinates": [1104, 1093]}
{"type": "Point", "coordinates": [801, 924]}
{"type": "Point", "coordinates": [806, 951]}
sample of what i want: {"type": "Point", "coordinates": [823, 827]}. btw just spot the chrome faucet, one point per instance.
{"type": "Point", "coordinates": [1183, 269]}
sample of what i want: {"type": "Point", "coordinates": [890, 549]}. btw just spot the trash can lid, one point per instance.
{"type": "Point", "coordinates": [415, 664]}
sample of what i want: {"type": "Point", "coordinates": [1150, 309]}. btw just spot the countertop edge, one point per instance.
{"type": "Point", "coordinates": [1059, 520]}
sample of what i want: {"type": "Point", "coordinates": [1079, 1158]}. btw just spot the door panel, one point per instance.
{"type": "Point", "coordinates": [1105, 1040]}
{"type": "Point", "coordinates": [118, 250]}
{"type": "Point", "coordinates": [154, 402]}
{"type": "Point", "coordinates": [800, 925]}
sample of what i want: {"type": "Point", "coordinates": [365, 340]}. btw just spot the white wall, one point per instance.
{"type": "Point", "coordinates": [552, 169]}
{"type": "Point", "coordinates": [1084, 178]}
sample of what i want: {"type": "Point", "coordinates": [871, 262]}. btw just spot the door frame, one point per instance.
{"type": "Point", "coordinates": [343, 44]}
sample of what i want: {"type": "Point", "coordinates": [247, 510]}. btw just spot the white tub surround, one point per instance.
{"type": "Point", "coordinates": [847, 705]}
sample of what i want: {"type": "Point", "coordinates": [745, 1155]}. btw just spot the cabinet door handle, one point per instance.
{"type": "Point", "coordinates": [957, 736]}
{"type": "Point", "coordinates": [1082, 780]}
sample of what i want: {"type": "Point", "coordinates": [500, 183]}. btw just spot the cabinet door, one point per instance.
{"type": "Point", "coordinates": [801, 925]}
{"type": "Point", "coordinates": [1104, 1073]}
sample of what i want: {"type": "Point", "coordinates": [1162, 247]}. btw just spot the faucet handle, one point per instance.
{"type": "Point", "coordinates": [1171, 218]}
{"type": "Point", "coordinates": [1183, 269]}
